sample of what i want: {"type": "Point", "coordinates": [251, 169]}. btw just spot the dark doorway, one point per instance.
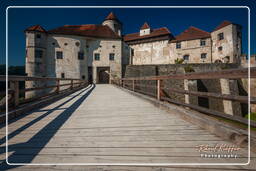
{"type": "Point", "coordinates": [90, 75]}
{"type": "Point", "coordinates": [103, 75]}
{"type": "Point", "coordinates": [202, 101]}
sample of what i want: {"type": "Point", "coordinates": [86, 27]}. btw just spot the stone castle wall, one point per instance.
{"type": "Point", "coordinates": [207, 85]}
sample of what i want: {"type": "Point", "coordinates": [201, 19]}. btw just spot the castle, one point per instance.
{"type": "Point", "coordinates": [98, 53]}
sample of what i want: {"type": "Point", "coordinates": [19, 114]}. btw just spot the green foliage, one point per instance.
{"type": "Point", "coordinates": [253, 116]}
{"type": "Point", "coordinates": [179, 61]}
{"type": "Point", "coordinates": [189, 68]}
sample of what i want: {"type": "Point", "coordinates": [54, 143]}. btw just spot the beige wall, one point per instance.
{"type": "Point", "coordinates": [70, 65]}
{"type": "Point", "coordinates": [104, 48]}
{"type": "Point", "coordinates": [151, 53]}
{"type": "Point", "coordinates": [193, 49]}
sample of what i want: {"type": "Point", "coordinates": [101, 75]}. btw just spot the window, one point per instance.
{"type": "Point", "coordinates": [53, 43]}
{"type": "Point", "coordinates": [220, 48]}
{"type": "Point", "coordinates": [62, 75]}
{"type": "Point", "coordinates": [38, 36]}
{"type": "Point", "coordinates": [59, 55]}
{"type": "Point", "coordinates": [178, 45]}
{"type": "Point", "coordinates": [239, 34]}
{"type": "Point", "coordinates": [96, 56]}
{"type": "Point", "coordinates": [80, 55]}
{"type": "Point", "coordinates": [77, 44]}
{"type": "Point", "coordinates": [203, 55]}
{"type": "Point", "coordinates": [83, 77]}
{"type": "Point", "coordinates": [202, 42]}
{"type": "Point", "coordinates": [227, 59]}
{"type": "Point", "coordinates": [113, 46]}
{"type": "Point", "coordinates": [38, 54]}
{"type": "Point", "coordinates": [132, 52]}
{"type": "Point", "coordinates": [186, 57]}
{"type": "Point", "coordinates": [111, 56]}
{"type": "Point", "coordinates": [65, 44]}
{"type": "Point", "coordinates": [221, 36]}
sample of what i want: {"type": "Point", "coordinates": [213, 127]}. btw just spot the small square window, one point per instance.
{"type": "Point", "coordinates": [113, 46]}
{"type": "Point", "coordinates": [111, 56]}
{"type": "Point", "coordinates": [186, 57]}
{"type": "Point", "coordinates": [38, 36]}
{"type": "Point", "coordinates": [221, 36]}
{"type": "Point", "coordinates": [96, 56]}
{"type": "Point", "coordinates": [59, 55]}
{"type": "Point", "coordinates": [65, 44]}
{"type": "Point", "coordinates": [178, 45]}
{"type": "Point", "coordinates": [202, 42]}
{"type": "Point", "coordinates": [83, 77]}
{"type": "Point", "coordinates": [220, 48]}
{"type": "Point", "coordinates": [203, 55]}
{"type": "Point", "coordinates": [80, 55]}
{"type": "Point", "coordinates": [38, 53]}
{"type": "Point", "coordinates": [62, 75]}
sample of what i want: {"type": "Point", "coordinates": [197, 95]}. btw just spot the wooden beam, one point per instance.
{"type": "Point", "coordinates": [243, 99]}
{"type": "Point", "coordinates": [229, 73]}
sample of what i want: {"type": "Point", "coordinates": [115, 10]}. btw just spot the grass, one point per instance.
{"type": "Point", "coordinates": [253, 116]}
{"type": "Point", "coordinates": [241, 125]}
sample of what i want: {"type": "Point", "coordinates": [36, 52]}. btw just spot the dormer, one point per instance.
{"type": "Point", "coordinates": [145, 29]}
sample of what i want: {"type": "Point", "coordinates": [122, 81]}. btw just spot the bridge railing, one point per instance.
{"type": "Point", "coordinates": [48, 86]}
{"type": "Point", "coordinates": [155, 86]}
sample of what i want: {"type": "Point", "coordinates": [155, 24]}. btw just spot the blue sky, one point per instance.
{"type": "Point", "coordinates": [175, 19]}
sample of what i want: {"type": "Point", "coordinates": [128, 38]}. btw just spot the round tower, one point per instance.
{"type": "Point", "coordinates": [35, 56]}
{"type": "Point", "coordinates": [112, 21]}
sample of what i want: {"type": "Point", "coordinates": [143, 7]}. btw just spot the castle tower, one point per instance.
{"type": "Point", "coordinates": [227, 43]}
{"type": "Point", "coordinates": [35, 56]}
{"type": "Point", "coordinates": [112, 21]}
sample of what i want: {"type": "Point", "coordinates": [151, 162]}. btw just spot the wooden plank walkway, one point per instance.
{"type": "Point", "coordinates": [108, 125]}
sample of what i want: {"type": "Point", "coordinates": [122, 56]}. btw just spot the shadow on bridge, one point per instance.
{"type": "Point", "coordinates": [54, 126]}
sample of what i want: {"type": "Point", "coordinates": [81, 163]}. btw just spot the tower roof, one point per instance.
{"type": "Point", "coordinates": [111, 16]}
{"type": "Point", "coordinates": [36, 28]}
{"type": "Point", "coordinates": [145, 26]}
{"type": "Point", "coordinates": [192, 33]}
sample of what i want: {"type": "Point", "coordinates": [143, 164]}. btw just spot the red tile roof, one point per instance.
{"type": "Point", "coordinates": [155, 33]}
{"type": "Point", "coordinates": [89, 30]}
{"type": "Point", "coordinates": [192, 33]}
{"type": "Point", "coordinates": [36, 28]}
{"type": "Point", "coordinates": [223, 24]}
{"type": "Point", "coordinates": [145, 26]}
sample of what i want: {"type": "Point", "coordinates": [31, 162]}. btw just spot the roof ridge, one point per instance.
{"type": "Point", "coordinates": [198, 29]}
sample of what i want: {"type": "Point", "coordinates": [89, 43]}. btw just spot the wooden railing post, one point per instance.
{"type": "Point", "coordinates": [71, 87]}
{"type": "Point", "coordinates": [15, 87]}
{"type": "Point", "coordinates": [58, 86]}
{"type": "Point", "coordinates": [133, 85]}
{"type": "Point", "coordinates": [158, 89]}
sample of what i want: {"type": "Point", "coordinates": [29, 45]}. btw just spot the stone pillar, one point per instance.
{"type": "Point", "coordinates": [190, 85]}
{"type": "Point", "coordinates": [225, 89]}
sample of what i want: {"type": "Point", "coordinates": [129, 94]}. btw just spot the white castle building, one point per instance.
{"type": "Point", "coordinates": [98, 52]}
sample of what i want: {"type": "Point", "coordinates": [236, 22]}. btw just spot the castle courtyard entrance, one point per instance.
{"type": "Point", "coordinates": [103, 75]}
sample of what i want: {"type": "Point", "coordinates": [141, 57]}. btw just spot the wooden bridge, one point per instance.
{"type": "Point", "coordinates": [118, 124]}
